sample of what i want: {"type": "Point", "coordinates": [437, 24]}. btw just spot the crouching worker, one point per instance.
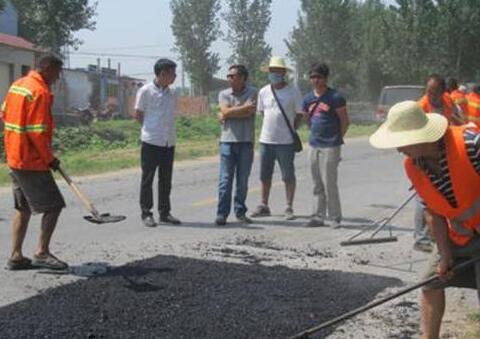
{"type": "Point", "coordinates": [443, 164]}
{"type": "Point", "coordinates": [28, 146]}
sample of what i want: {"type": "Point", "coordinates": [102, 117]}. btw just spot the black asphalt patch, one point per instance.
{"type": "Point", "coordinates": [172, 297]}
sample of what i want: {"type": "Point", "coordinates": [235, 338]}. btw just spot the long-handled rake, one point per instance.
{"type": "Point", "coordinates": [378, 225]}
{"type": "Point", "coordinates": [306, 333]}
{"type": "Point", "coordinates": [95, 217]}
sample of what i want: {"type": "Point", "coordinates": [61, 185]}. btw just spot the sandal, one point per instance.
{"type": "Point", "coordinates": [21, 264]}
{"type": "Point", "coordinates": [49, 261]}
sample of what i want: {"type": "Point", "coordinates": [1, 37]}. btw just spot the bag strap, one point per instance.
{"type": "Point", "coordinates": [283, 112]}
{"type": "Point", "coordinates": [312, 111]}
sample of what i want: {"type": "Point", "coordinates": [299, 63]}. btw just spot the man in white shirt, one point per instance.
{"type": "Point", "coordinates": [276, 140]}
{"type": "Point", "coordinates": [155, 110]}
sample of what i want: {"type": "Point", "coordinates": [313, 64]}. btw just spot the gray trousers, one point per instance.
{"type": "Point", "coordinates": [324, 167]}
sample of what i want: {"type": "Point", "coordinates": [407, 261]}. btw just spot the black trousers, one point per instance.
{"type": "Point", "coordinates": [153, 157]}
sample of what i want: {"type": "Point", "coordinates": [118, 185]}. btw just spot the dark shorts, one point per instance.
{"type": "Point", "coordinates": [36, 191]}
{"type": "Point", "coordinates": [468, 278]}
{"type": "Point", "coordinates": [284, 154]}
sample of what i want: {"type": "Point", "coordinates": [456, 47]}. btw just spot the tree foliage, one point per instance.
{"type": "Point", "coordinates": [51, 23]}
{"type": "Point", "coordinates": [195, 27]}
{"type": "Point", "coordinates": [369, 45]}
{"type": "Point", "coordinates": [248, 21]}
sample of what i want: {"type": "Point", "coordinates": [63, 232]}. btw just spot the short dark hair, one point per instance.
{"type": "Point", "coordinates": [320, 68]}
{"type": "Point", "coordinates": [438, 78]}
{"type": "Point", "coordinates": [241, 69]}
{"type": "Point", "coordinates": [452, 83]}
{"type": "Point", "coordinates": [163, 65]}
{"type": "Point", "coordinates": [49, 60]}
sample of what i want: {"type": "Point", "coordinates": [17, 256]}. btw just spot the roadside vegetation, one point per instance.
{"type": "Point", "coordinates": [114, 145]}
{"type": "Point", "coordinates": [472, 327]}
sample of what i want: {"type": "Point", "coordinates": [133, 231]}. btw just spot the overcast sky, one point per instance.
{"type": "Point", "coordinates": [143, 28]}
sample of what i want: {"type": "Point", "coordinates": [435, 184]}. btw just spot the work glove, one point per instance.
{"type": "Point", "coordinates": [54, 164]}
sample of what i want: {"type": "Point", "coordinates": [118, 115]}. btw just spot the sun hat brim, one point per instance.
{"type": "Point", "coordinates": [432, 131]}
{"type": "Point", "coordinates": [266, 68]}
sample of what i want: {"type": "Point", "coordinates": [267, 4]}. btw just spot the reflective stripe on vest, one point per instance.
{"type": "Point", "coordinates": [24, 129]}
{"type": "Point", "coordinates": [457, 222]}
{"type": "Point", "coordinates": [25, 92]}
{"type": "Point", "coordinates": [474, 104]}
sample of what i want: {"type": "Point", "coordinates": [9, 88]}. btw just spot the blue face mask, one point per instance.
{"type": "Point", "coordinates": [275, 78]}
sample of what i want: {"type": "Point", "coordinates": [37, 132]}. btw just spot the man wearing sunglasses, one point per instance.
{"type": "Point", "coordinates": [327, 119]}
{"type": "Point", "coordinates": [237, 116]}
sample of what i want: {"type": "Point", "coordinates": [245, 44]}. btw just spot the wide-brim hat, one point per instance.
{"type": "Point", "coordinates": [407, 124]}
{"type": "Point", "coordinates": [276, 62]}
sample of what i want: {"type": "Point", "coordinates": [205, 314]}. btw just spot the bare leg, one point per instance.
{"type": "Point", "coordinates": [266, 186]}
{"type": "Point", "coordinates": [290, 191]}
{"type": "Point", "coordinates": [19, 229]}
{"type": "Point", "coordinates": [432, 305]}
{"type": "Point", "coordinates": [49, 222]}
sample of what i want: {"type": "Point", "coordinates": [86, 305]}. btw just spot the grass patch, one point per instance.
{"type": "Point", "coordinates": [114, 145]}
{"type": "Point", "coordinates": [472, 327]}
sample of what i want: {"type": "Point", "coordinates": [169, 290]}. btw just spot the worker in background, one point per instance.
{"type": "Point", "coordinates": [443, 165]}
{"type": "Point", "coordinates": [457, 95]}
{"type": "Point", "coordinates": [437, 100]}
{"type": "Point", "coordinates": [473, 105]}
{"type": "Point", "coordinates": [28, 135]}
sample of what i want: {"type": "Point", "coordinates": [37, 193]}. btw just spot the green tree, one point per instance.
{"type": "Point", "coordinates": [370, 43]}
{"type": "Point", "coordinates": [323, 34]}
{"type": "Point", "coordinates": [2, 5]}
{"type": "Point", "coordinates": [459, 29]}
{"type": "Point", "coordinates": [51, 23]}
{"type": "Point", "coordinates": [195, 27]}
{"type": "Point", "coordinates": [248, 22]}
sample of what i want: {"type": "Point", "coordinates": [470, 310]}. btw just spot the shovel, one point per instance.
{"type": "Point", "coordinates": [307, 333]}
{"type": "Point", "coordinates": [95, 217]}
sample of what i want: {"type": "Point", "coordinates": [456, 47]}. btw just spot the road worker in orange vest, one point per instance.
{"type": "Point", "coordinates": [28, 134]}
{"type": "Point", "coordinates": [457, 95]}
{"type": "Point", "coordinates": [473, 105]}
{"type": "Point", "coordinates": [443, 164]}
{"type": "Point", "coordinates": [437, 100]}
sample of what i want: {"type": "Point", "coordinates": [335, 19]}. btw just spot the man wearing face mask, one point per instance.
{"type": "Point", "coordinates": [276, 141]}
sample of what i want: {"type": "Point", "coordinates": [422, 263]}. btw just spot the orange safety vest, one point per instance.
{"type": "Point", "coordinates": [464, 220]}
{"type": "Point", "coordinates": [473, 108]}
{"type": "Point", "coordinates": [458, 98]}
{"type": "Point", "coordinates": [28, 124]}
{"type": "Point", "coordinates": [447, 104]}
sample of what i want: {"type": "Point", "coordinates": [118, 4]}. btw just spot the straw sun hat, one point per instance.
{"type": "Point", "coordinates": [407, 125]}
{"type": "Point", "coordinates": [276, 62]}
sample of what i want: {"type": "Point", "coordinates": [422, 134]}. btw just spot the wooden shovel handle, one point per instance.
{"type": "Point", "coordinates": [88, 205]}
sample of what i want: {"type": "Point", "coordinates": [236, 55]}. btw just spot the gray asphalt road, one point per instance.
{"type": "Point", "coordinates": [372, 184]}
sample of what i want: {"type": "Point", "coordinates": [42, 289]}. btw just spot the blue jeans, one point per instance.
{"type": "Point", "coordinates": [236, 159]}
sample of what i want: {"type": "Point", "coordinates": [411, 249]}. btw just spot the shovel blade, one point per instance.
{"type": "Point", "coordinates": [104, 218]}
